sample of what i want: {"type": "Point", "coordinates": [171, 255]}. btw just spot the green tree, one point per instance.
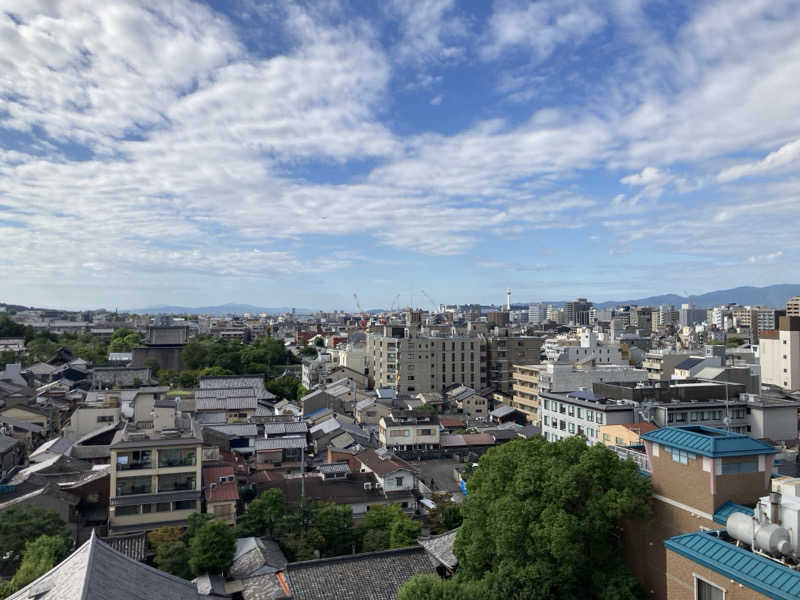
{"type": "Point", "coordinates": [558, 503]}
{"type": "Point", "coordinates": [387, 526]}
{"type": "Point", "coordinates": [195, 521]}
{"type": "Point", "coordinates": [304, 545]}
{"type": "Point", "coordinates": [18, 526]}
{"type": "Point", "coordinates": [445, 515]}
{"type": "Point", "coordinates": [284, 387]}
{"type": "Point", "coordinates": [195, 355]}
{"type": "Point", "coordinates": [433, 587]}
{"type": "Point", "coordinates": [319, 342]}
{"type": "Point", "coordinates": [173, 557]}
{"type": "Point", "coordinates": [404, 533]}
{"type": "Point", "coordinates": [335, 523]}
{"type": "Point", "coordinates": [375, 539]}
{"type": "Point", "coordinates": [211, 549]}
{"type": "Point", "coordinates": [164, 535]}
{"type": "Point", "coordinates": [153, 364]}
{"type": "Point", "coordinates": [40, 555]}
{"type": "Point", "coordinates": [308, 351]}
{"type": "Point", "coordinates": [263, 514]}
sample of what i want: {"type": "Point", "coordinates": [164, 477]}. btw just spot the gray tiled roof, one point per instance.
{"type": "Point", "coordinates": [281, 442]}
{"type": "Point", "coordinates": [237, 381]}
{"type": "Point", "coordinates": [252, 554]}
{"type": "Point", "coordinates": [134, 545]}
{"type": "Point", "coordinates": [96, 571]}
{"type": "Point", "coordinates": [237, 429]}
{"type": "Point", "coordinates": [233, 403]}
{"type": "Point", "coordinates": [283, 428]}
{"type": "Point", "coordinates": [233, 392]}
{"type": "Point", "coordinates": [370, 576]}
{"type": "Point", "coordinates": [7, 442]}
{"type": "Point", "coordinates": [440, 547]}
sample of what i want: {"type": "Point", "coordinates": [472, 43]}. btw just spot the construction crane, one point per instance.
{"type": "Point", "coordinates": [395, 303]}
{"type": "Point", "coordinates": [433, 304]}
{"type": "Point", "coordinates": [361, 311]}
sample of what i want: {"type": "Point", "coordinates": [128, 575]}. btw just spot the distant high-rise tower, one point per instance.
{"type": "Point", "coordinates": [508, 299]}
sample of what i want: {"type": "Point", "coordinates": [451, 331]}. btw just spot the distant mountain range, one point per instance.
{"type": "Point", "coordinates": [772, 295]}
{"type": "Point", "coordinates": [223, 309]}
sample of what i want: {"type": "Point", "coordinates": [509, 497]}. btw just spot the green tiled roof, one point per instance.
{"type": "Point", "coordinates": [756, 572]}
{"type": "Point", "coordinates": [708, 441]}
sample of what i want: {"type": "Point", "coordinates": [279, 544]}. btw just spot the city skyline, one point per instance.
{"type": "Point", "coordinates": [283, 154]}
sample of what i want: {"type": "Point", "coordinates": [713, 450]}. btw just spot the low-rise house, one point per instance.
{"type": "Point", "coordinates": [120, 377]}
{"type": "Point", "coordinates": [98, 409]}
{"type": "Point", "coordinates": [392, 473]}
{"type": "Point", "coordinates": [469, 402]}
{"type": "Point", "coordinates": [409, 431]}
{"type": "Point", "coordinates": [624, 434]}
{"type": "Point", "coordinates": [507, 414]}
{"type": "Point", "coordinates": [30, 434]}
{"type": "Point", "coordinates": [284, 454]}
{"type": "Point", "coordinates": [221, 492]}
{"type": "Point", "coordinates": [320, 399]}
{"type": "Point", "coordinates": [369, 411]}
{"type": "Point", "coordinates": [12, 454]}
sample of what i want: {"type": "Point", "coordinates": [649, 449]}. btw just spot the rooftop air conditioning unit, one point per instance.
{"type": "Point", "coordinates": [367, 485]}
{"type": "Point", "coordinates": [213, 486]}
{"type": "Point", "coordinates": [378, 486]}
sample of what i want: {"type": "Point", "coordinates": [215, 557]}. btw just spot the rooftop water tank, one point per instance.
{"type": "Point", "coordinates": [771, 538]}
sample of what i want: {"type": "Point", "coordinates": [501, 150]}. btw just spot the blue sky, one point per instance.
{"type": "Point", "coordinates": [280, 153]}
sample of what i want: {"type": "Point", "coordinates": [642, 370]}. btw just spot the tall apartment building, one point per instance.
{"type": "Point", "coordinates": [498, 317]}
{"type": "Point", "coordinates": [793, 307]}
{"type": "Point", "coordinates": [537, 313]}
{"type": "Point", "coordinates": [577, 312]}
{"type": "Point", "coordinates": [502, 353]}
{"type": "Point", "coordinates": [689, 315]}
{"type": "Point", "coordinates": [768, 318]}
{"type": "Point", "coordinates": [156, 472]}
{"type": "Point", "coordinates": [403, 360]}
{"type": "Point", "coordinates": [779, 354]}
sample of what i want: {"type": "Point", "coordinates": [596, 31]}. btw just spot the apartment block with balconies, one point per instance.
{"type": "Point", "coordinates": [156, 474]}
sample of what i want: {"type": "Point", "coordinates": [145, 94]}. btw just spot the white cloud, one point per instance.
{"type": "Point", "coordinates": [540, 27]}
{"type": "Point", "coordinates": [430, 30]}
{"type": "Point", "coordinates": [782, 157]}
{"type": "Point", "coordinates": [765, 257]}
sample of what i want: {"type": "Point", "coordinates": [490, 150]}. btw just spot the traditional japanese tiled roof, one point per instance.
{"type": "Point", "coordinates": [763, 575]}
{"type": "Point", "coordinates": [369, 576]}
{"type": "Point", "coordinates": [134, 545]}
{"type": "Point", "coordinates": [708, 441]}
{"type": "Point", "coordinates": [96, 571]}
{"type": "Point", "coordinates": [440, 547]}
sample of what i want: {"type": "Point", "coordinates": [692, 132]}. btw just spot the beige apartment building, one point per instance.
{"type": "Point", "coordinates": [793, 307]}
{"type": "Point", "coordinates": [410, 363]}
{"type": "Point", "coordinates": [779, 354]}
{"type": "Point", "coordinates": [156, 473]}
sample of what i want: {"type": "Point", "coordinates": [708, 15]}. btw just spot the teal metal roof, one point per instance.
{"type": "Point", "coordinates": [727, 509]}
{"type": "Point", "coordinates": [708, 441]}
{"type": "Point", "coordinates": [756, 572]}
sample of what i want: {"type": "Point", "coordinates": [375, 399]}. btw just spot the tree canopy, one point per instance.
{"type": "Point", "coordinates": [263, 514]}
{"type": "Point", "coordinates": [40, 555]}
{"type": "Point", "coordinates": [18, 526]}
{"type": "Point", "coordinates": [211, 549]}
{"type": "Point", "coordinates": [541, 522]}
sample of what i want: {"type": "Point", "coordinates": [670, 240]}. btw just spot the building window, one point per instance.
{"type": "Point", "coordinates": [682, 456]}
{"type": "Point", "coordinates": [139, 459]}
{"type": "Point", "coordinates": [705, 590]}
{"type": "Point", "coordinates": [110, 418]}
{"type": "Point", "coordinates": [176, 481]}
{"type": "Point", "coordinates": [572, 427]}
{"type": "Point", "coordinates": [398, 481]}
{"type": "Point", "coordinates": [127, 486]}
{"type": "Point", "coordinates": [750, 466]}
{"type": "Point", "coordinates": [176, 457]}
{"type": "Point", "coordinates": [163, 507]}
{"type": "Point", "coordinates": [185, 505]}
{"type": "Point", "coordinates": [146, 508]}
{"type": "Point", "coordinates": [123, 511]}
{"type": "Point", "coordinates": [546, 421]}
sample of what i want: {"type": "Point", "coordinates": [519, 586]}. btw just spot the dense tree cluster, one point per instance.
{"type": "Point", "coordinates": [312, 529]}
{"type": "Point", "coordinates": [541, 521]}
{"type": "Point", "coordinates": [207, 546]}
{"type": "Point", "coordinates": [33, 540]}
